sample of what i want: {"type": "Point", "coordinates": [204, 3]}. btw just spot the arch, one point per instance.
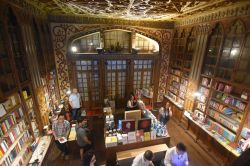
{"type": "Point", "coordinates": [234, 23]}
{"type": "Point", "coordinates": [84, 33]}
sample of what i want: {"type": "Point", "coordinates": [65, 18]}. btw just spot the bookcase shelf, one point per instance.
{"type": "Point", "coordinates": [12, 146]}
{"type": "Point", "coordinates": [14, 130]}
{"type": "Point", "coordinates": [225, 102]}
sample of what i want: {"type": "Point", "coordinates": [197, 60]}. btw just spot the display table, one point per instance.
{"type": "Point", "coordinates": [229, 153]}
{"type": "Point", "coordinates": [39, 154]}
{"type": "Point", "coordinates": [112, 151]}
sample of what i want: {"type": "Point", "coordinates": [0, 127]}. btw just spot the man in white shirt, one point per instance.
{"type": "Point", "coordinates": [144, 159]}
{"type": "Point", "coordinates": [74, 101]}
{"type": "Point", "coordinates": [176, 156]}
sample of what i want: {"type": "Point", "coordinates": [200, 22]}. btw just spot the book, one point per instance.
{"type": "Point", "coordinates": [153, 134]}
{"type": "Point", "coordinates": [62, 140]}
{"type": "Point", "coordinates": [147, 136]}
{"type": "Point", "coordinates": [2, 110]}
{"type": "Point", "coordinates": [139, 135]}
{"type": "Point", "coordinates": [131, 137]}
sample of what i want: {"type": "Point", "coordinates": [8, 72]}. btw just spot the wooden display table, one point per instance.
{"type": "Point", "coordinates": [222, 149]}
{"type": "Point", "coordinates": [112, 151]}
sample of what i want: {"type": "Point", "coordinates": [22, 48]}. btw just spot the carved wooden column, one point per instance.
{"type": "Point", "coordinates": [200, 49]}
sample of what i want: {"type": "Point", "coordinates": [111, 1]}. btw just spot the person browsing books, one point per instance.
{"type": "Point", "coordinates": [144, 159]}
{"type": "Point", "coordinates": [165, 113]}
{"type": "Point", "coordinates": [82, 136]}
{"type": "Point", "coordinates": [176, 156]}
{"type": "Point", "coordinates": [61, 130]}
{"type": "Point", "coordinates": [75, 103]}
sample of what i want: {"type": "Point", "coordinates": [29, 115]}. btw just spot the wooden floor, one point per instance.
{"type": "Point", "coordinates": [197, 156]}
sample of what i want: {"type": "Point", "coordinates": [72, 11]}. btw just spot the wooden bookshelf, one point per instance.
{"type": "Point", "coordinates": [14, 130]}
{"type": "Point", "coordinates": [179, 71]}
{"type": "Point", "coordinates": [222, 93]}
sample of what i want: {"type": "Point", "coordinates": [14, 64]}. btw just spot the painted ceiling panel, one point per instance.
{"type": "Point", "coordinates": [129, 9]}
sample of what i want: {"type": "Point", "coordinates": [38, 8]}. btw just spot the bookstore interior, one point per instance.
{"type": "Point", "coordinates": [103, 82]}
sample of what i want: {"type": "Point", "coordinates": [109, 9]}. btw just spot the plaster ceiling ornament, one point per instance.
{"type": "Point", "coordinates": [130, 9]}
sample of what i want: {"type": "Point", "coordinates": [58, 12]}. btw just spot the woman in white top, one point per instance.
{"type": "Point", "coordinates": [131, 104]}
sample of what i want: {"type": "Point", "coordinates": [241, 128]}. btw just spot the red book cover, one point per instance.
{"type": "Point", "coordinates": [4, 128]}
{"type": "Point", "coordinates": [1, 150]}
{"type": "Point", "coordinates": [8, 140]}
{"type": "Point", "coordinates": [139, 135]}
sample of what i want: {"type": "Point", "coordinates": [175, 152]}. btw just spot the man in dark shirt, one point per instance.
{"type": "Point", "coordinates": [82, 136]}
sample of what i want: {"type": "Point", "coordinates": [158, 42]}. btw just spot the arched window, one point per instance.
{"type": "Point", "coordinates": [145, 44]}
{"type": "Point", "coordinates": [117, 41]}
{"type": "Point", "coordinates": [212, 51]}
{"type": "Point", "coordinates": [87, 44]}
{"type": "Point", "coordinates": [7, 82]}
{"type": "Point", "coordinates": [231, 51]}
{"type": "Point", "coordinates": [17, 46]}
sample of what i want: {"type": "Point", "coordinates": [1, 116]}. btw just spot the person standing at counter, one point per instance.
{"type": "Point", "coordinates": [82, 136]}
{"type": "Point", "coordinates": [75, 103]}
{"type": "Point", "coordinates": [144, 159]}
{"type": "Point", "coordinates": [176, 156]}
{"type": "Point", "coordinates": [61, 130]}
{"type": "Point", "coordinates": [165, 113]}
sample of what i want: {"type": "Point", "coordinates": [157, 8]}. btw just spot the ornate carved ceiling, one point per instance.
{"type": "Point", "coordinates": [129, 9]}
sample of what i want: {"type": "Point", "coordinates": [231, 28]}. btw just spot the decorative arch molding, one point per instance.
{"type": "Point", "coordinates": [63, 34]}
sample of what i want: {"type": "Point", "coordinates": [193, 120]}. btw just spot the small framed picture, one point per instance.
{"type": "Point", "coordinates": [244, 95]}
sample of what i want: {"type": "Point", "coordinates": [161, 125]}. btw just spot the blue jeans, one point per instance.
{"type": "Point", "coordinates": [75, 113]}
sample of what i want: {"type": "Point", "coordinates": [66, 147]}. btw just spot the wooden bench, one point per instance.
{"type": "Point", "coordinates": [125, 158]}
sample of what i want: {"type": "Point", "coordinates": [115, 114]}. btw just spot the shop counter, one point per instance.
{"type": "Point", "coordinates": [125, 158]}
{"type": "Point", "coordinates": [111, 152]}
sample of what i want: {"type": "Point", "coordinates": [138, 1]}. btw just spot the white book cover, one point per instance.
{"type": "Point", "coordinates": [2, 110]}
{"type": "Point", "coordinates": [131, 136]}
{"type": "Point", "coordinates": [153, 134]}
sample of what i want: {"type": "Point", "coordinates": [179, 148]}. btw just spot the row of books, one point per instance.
{"type": "Point", "coordinates": [175, 84]}
{"type": "Point", "coordinates": [23, 157]}
{"type": "Point", "coordinates": [227, 99]}
{"type": "Point", "coordinates": [201, 106]}
{"type": "Point", "coordinates": [10, 121]}
{"type": "Point", "coordinates": [226, 121]}
{"type": "Point", "coordinates": [216, 127]}
{"type": "Point", "coordinates": [175, 78]}
{"type": "Point", "coordinates": [184, 82]}
{"type": "Point", "coordinates": [176, 72]}
{"type": "Point", "coordinates": [223, 87]}
{"type": "Point", "coordinates": [8, 140]}
{"type": "Point", "coordinates": [171, 96]}
{"type": "Point", "coordinates": [9, 159]}
{"type": "Point", "coordinates": [130, 137]}
{"type": "Point", "coordinates": [206, 82]}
